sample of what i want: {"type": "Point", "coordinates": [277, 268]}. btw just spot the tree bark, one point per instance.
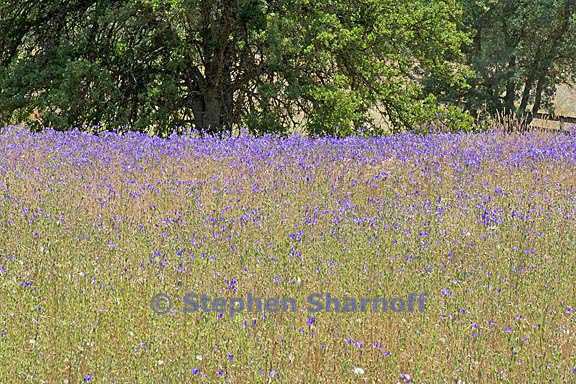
{"type": "Point", "coordinates": [528, 85]}
{"type": "Point", "coordinates": [538, 96]}
{"type": "Point", "coordinates": [212, 92]}
{"type": "Point", "coordinates": [510, 88]}
{"type": "Point", "coordinates": [213, 116]}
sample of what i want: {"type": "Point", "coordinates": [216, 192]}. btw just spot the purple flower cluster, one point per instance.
{"type": "Point", "coordinates": [483, 223]}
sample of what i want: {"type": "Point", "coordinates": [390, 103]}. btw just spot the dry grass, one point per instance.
{"type": "Point", "coordinates": [92, 228]}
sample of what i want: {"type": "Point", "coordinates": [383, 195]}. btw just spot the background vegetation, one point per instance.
{"type": "Point", "coordinates": [332, 67]}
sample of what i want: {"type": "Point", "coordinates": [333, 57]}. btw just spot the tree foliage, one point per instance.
{"type": "Point", "coordinates": [521, 50]}
{"type": "Point", "coordinates": [160, 66]}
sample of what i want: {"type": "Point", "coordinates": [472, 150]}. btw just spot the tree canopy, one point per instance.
{"type": "Point", "coordinates": [521, 51]}
{"type": "Point", "coordinates": [160, 66]}
{"type": "Point", "coordinates": [332, 67]}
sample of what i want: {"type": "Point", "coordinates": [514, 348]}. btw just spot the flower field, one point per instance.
{"type": "Point", "coordinates": [93, 228]}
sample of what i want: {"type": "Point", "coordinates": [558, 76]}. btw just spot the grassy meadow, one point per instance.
{"type": "Point", "coordinates": [92, 228]}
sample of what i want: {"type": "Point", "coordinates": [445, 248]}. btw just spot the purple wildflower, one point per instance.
{"type": "Point", "coordinates": [231, 285]}
{"type": "Point", "coordinates": [296, 236]}
{"type": "Point", "coordinates": [310, 321]}
{"type": "Point", "coordinates": [406, 378]}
